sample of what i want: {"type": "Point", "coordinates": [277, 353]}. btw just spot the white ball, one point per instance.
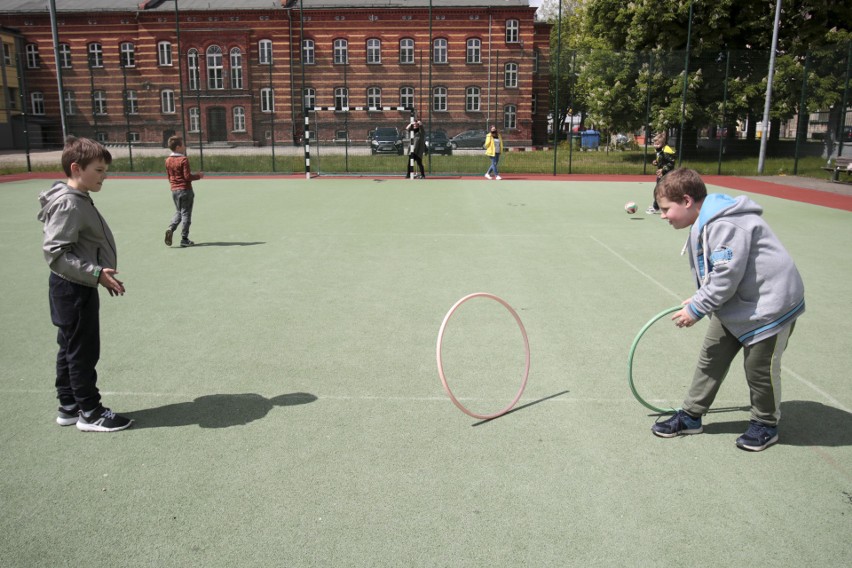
{"type": "Point", "coordinates": [630, 207]}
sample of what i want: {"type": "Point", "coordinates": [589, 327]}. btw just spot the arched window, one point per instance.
{"type": "Point", "coordinates": [474, 51]}
{"type": "Point", "coordinates": [308, 52]}
{"type": "Point", "coordinates": [192, 69]}
{"type": "Point", "coordinates": [239, 119]}
{"type": "Point", "coordinates": [341, 52]}
{"type": "Point", "coordinates": [236, 68]}
{"type": "Point", "coordinates": [214, 68]}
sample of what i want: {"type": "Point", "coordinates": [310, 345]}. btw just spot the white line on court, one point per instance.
{"type": "Point", "coordinates": [785, 368]}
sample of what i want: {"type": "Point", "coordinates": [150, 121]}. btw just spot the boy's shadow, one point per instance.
{"type": "Point", "coordinates": [215, 410]}
{"type": "Point", "coordinates": [803, 423]}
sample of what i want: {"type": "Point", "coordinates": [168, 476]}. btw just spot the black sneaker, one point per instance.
{"type": "Point", "coordinates": [67, 417]}
{"type": "Point", "coordinates": [680, 424]}
{"type": "Point", "coordinates": [102, 420]}
{"type": "Point", "coordinates": [186, 243]}
{"type": "Point", "coordinates": [168, 239]}
{"type": "Point", "coordinates": [758, 437]}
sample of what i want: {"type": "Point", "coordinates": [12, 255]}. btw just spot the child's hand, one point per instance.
{"type": "Point", "coordinates": [660, 172]}
{"type": "Point", "coordinates": [107, 279]}
{"type": "Point", "coordinates": [653, 162]}
{"type": "Point", "coordinates": [683, 318]}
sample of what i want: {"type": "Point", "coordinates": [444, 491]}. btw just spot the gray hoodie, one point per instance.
{"type": "Point", "coordinates": [77, 240]}
{"type": "Point", "coordinates": [744, 274]}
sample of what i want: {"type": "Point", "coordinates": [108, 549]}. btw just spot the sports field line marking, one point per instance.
{"type": "Point", "coordinates": [785, 368]}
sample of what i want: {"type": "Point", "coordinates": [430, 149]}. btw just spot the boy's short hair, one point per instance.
{"type": "Point", "coordinates": [174, 142]}
{"type": "Point", "coordinates": [679, 183]}
{"type": "Point", "coordinates": [661, 138]}
{"type": "Point", "coordinates": [83, 151]}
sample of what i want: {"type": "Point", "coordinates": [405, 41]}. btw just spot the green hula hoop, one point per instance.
{"type": "Point", "coordinates": [642, 401]}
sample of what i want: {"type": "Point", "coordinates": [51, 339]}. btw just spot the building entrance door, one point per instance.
{"type": "Point", "coordinates": [217, 128]}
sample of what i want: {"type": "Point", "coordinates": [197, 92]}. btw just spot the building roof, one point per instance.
{"type": "Point", "coordinates": [65, 6]}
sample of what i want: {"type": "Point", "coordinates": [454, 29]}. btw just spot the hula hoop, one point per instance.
{"type": "Point", "coordinates": [441, 364]}
{"type": "Point", "coordinates": [651, 322]}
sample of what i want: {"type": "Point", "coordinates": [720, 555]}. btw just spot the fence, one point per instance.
{"type": "Point", "coordinates": [618, 99]}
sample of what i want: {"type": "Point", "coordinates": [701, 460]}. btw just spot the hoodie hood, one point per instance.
{"type": "Point", "coordinates": [716, 204]}
{"type": "Point", "coordinates": [47, 198]}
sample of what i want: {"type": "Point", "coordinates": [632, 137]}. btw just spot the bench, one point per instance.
{"type": "Point", "coordinates": [841, 165]}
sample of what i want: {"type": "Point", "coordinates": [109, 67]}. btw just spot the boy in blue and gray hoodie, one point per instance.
{"type": "Point", "coordinates": [80, 250]}
{"type": "Point", "coordinates": [752, 293]}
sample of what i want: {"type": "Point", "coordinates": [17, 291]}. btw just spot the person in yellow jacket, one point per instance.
{"type": "Point", "coordinates": [493, 149]}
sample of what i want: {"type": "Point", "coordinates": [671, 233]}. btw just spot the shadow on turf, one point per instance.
{"type": "Point", "coordinates": [215, 410]}
{"type": "Point", "coordinates": [224, 244]}
{"type": "Point", "coordinates": [803, 423]}
{"type": "Point", "coordinates": [517, 408]}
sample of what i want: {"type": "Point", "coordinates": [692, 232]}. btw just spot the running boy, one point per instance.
{"type": "Point", "coordinates": [80, 250]}
{"type": "Point", "coordinates": [180, 181]}
{"type": "Point", "coordinates": [665, 162]}
{"type": "Point", "coordinates": [749, 287]}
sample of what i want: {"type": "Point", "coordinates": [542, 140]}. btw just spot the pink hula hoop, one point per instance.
{"type": "Point", "coordinates": [441, 364]}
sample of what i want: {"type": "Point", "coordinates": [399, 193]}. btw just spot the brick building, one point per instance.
{"type": "Point", "coordinates": [241, 73]}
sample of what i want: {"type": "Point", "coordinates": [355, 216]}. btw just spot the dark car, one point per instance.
{"type": "Point", "coordinates": [438, 143]}
{"type": "Point", "coordinates": [386, 140]}
{"type": "Point", "coordinates": [468, 139]}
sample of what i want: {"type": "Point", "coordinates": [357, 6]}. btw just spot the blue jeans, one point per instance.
{"type": "Point", "coordinates": [494, 159]}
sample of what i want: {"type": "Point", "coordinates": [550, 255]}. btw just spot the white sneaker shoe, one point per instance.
{"type": "Point", "coordinates": [498, 177]}
{"type": "Point", "coordinates": [487, 176]}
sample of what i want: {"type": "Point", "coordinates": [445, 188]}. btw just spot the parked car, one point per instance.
{"type": "Point", "coordinates": [468, 139]}
{"type": "Point", "coordinates": [386, 140]}
{"type": "Point", "coordinates": [438, 143]}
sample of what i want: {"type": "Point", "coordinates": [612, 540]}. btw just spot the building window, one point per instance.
{"type": "Point", "coordinates": [439, 51]}
{"type": "Point", "coordinates": [510, 116]}
{"type": "Point", "coordinates": [310, 97]}
{"type": "Point", "coordinates": [341, 52]}
{"type": "Point", "coordinates": [7, 54]}
{"type": "Point", "coordinates": [194, 119]}
{"type": "Point", "coordinates": [239, 119]}
{"type": "Point", "coordinates": [512, 31]}
{"type": "Point", "coordinates": [474, 51]}
{"type": "Point", "coordinates": [214, 68]}
{"type": "Point", "coordinates": [406, 97]}
{"type": "Point", "coordinates": [128, 54]}
{"type": "Point", "coordinates": [192, 69]}
{"type": "Point", "coordinates": [267, 100]}
{"type": "Point", "coordinates": [236, 68]}
{"type": "Point", "coordinates": [341, 98]}
{"type": "Point", "coordinates": [70, 101]}
{"type": "Point", "coordinates": [64, 56]}
{"type": "Point", "coordinates": [133, 137]}
{"type": "Point", "coordinates": [439, 99]}
{"type": "Point", "coordinates": [308, 52]}
{"type": "Point", "coordinates": [264, 50]}
{"type": "Point", "coordinates": [164, 53]}
{"type": "Point", "coordinates": [406, 51]}
{"type": "Point", "coordinates": [167, 101]}
{"type": "Point", "coordinates": [96, 55]}
{"type": "Point", "coordinates": [32, 56]}
{"type": "Point", "coordinates": [99, 102]}
{"type": "Point", "coordinates": [472, 99]}
{"type": "Point", "coordinates": [13, 98]}
{"type": "Point", "coordinates": [374, 97]}
{"type": "Point", "coordinates": [131, 102]}
{"type": "Point", "coordinates": [511, 76]}
{"type": "Point", "coordinates": [37, 100]}
{"type": "Point", "coordinates": [101, 137]}
{"type": "Point", "coordinates": [374, 51]}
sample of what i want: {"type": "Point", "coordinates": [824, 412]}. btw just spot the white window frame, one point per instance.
{"type": "Point", "coordinates": [31, 50]}
{"type": "Point", "coordinates": [70, 102]}
{"type": "Point", "coordinates": [406, 51]}
{"type": "Point", "coordinates": [65, 56]}
{"type": "Point", "coordinates": [309, 52]}
{"type": "Point", "coordinates": [215, 68]}
{"type": "Point", "coordinates": [131, 102]}
{"type": "Point", "coordinates": [473, 54]}
{"type": "Point", "coordinates": [510, 75]}
{"type": "Point", "coordinates": [127, 54]}
{"type": "Point", "coordinates": [99, 103]}
{"type": "Point", "coordinates": [341, 52]}
{"type": "Point", "coordinates": [406, 97]}
{"type": "Point", "coordinates": [440, 51]}
{"type": "Point", "coordinates": [341, 98]}
{"type": "Point", "coordinates": [239, 114]}
{"type": "Point", "coordinates": [167, 101]}
{"type": "Point", "coordinates": [439, 99]}
{"type": "Point", "coordinates": [193, 70]}
{"type": "Point", "coordinates": [194, 119]}
{"type": "Point", "coordinates": [513, 31]}
{"type": "Point", "coordinates": [309, 97]}
{"type": "Point", "coordinates": [37, 103]}
{"type": "Point", "coordinates": [473, 99]}
{"type": "Point", "coordinates": [374, 51]}
{"type": "Point", "coordinates": [96, 55]}
{"type": "Point", "coordinates": [164, 54]}
{"type": "Point", "coordinates": [510, 117]}
{"type": "Point", "coordinates": [236, 57]}
{"type": "Point", "coordinates": [374, 97]}
{"type": "Point", "coordinates": [267, 100]}
{"type": "Point", "coordinates": [264, 52]}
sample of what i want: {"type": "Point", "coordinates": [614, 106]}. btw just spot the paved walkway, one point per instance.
{"type": "Point", "coordinates": [807, 183]}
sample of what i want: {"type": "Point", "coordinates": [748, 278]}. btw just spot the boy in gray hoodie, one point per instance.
{"type": "Point", "coordinates": [80, 250]}
{"type": "Point", "coordinates": [752, 292]}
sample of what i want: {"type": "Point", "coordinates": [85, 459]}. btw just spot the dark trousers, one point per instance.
{"type": "Point", "coordinates": [419, 161]}
{"type": "Point", "coordinates": [74, 310]}
{"type": "Point", "coordinates": [183, 199]}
